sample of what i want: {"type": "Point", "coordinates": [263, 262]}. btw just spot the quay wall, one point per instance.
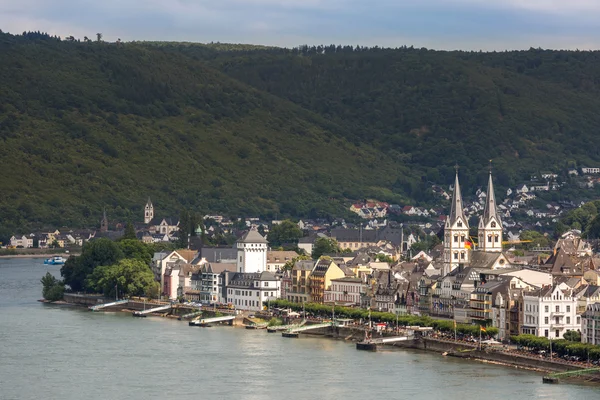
{"type": "Point", "coordinates": [458, 350]}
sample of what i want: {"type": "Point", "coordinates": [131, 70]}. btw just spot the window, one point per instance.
{"type": "Point", "coordinates": [462, 255]}
{"type": "Point", "coordinates": [240, 258]}
{"type": "Point", "coordinates": [546, 331]}
{"type": "Point", "coordinates": [462, 238]}
{"type": "Point", "coordinates": [568, 320]}
{"type": "Point", "coordinates": [557, 308]}
{"type": "Point", "coordinates": [546, 308]}
{"type": "Point", "coordinates": [489, 238]}
{"type": "Point", "coordinates": [266, 284]}
{"type": "Point", "coordinates": [459, 224]}
{"type": "Point", "coordinates": [456, 255]}
{"type": "Point", "coordinates": [578, 321]}
{"type": "Point", "coordinates": [496, 238]}
{"type": "Point", "coordinates": [493, 224]}
{"type": "Point", "coordinates": [546, 322]}
{"type": "Point", "coordinates": [455, 238]}
{"type": "Point", "coordinates": [568, 308]}
{"type": "Point", "coordinates": [557, 333]}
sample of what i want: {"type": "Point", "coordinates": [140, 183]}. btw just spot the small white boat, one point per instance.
{"type": "Point", "coordinates": [56, 260]}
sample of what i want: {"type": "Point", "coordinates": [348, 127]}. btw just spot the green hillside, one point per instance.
{"type": "Point", "coordinates": [243, 130]}
{"type": "Point", "coordinates": [527, 110]}
{"type": "Point", "coordinates": [88, 125]}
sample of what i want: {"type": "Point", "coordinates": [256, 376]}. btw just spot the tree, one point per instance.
{"type": "Point", "coordinates": [572, 336]}
{"type": "Point", "coordinates": [98, 37]}
{"type": "Point", "coordinates": [324, 245]}
{"type": "Point", "coordinates": [52, 288]}
{"type": "Point", "coordinates": [129, 232]}
{"type": "Point", "coordinates": [134, 249]}
{"type": "Point", "coordinates": [130, 277]}
{"type": "Point", "coordinates": [284, 233]}
{"type": "Point", "coordinates": [536, 239]}
{"type": "Point", "coordinates": [95, 253]}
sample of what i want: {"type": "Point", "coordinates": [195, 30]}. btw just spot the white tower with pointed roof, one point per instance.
{"type": "Point", "coordinates": [490, 225]}
{"type": "Point", "coordinates": [148, 212]}
{"type": "Point", "coordinates": [456, 233]}
{"type": "Point", "coordinates": [252, 252]}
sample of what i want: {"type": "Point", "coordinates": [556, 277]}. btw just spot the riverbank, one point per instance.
{"type": "Point", "coordinates": [37, 254]}
{"type": "Point", "coordinates": [443, 347]}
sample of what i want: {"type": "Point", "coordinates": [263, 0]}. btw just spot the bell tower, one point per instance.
{"type": "Point", "coordinates": [148, 212]}
{"type": "Point", "coordinates": [456, 233]}
{"type": "Point", "coordinates": [490, 225]}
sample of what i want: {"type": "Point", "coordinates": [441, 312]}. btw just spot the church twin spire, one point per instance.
{"type": "Point", "coordinates": [456, 209]}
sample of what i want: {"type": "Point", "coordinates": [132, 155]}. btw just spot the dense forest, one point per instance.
{"type": "Point", "coordinates": [274, 132]}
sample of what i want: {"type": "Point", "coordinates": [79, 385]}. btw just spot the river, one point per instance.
{"type": "Point", "coordinates": [59, 352]}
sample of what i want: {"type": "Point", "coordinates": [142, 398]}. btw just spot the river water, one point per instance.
{"type": "Point", "coordinates": [58, 352]}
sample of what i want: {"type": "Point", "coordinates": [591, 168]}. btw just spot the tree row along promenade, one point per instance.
{"type": "Point", "coordinates": [445, 330]}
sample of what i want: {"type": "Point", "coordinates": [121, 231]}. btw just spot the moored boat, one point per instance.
{"type": "Point", "coordinates": [56, 260]}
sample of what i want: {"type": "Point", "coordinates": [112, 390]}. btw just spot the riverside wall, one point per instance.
{"type": "Point", "coordinates": [464, 350]}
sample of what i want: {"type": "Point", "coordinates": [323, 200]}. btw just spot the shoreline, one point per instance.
{"type": "Point", "coordinates": [41, 255]}
{"type": "Point", "coordinates": [518, 362]}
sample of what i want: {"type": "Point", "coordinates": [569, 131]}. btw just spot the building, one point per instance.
{"type": "Point", "coordinates": [320, 278]}
{"type": "Point", "coordinates": [249, 291]}
{"type": "Point", "coordinates": [490, 225]}
{"type": "Point", "coordinates": [345, 291]}
{"type": "Point", "coordinates": [456, 233]}
{"type": "Point", "coordinates": [252, 252]}
{"type": "Point", "coordinates": [277, 259]}
{"type": "Point", "coordinates": [550, 312]}
{"type": "Point", "coordinates": [300, 274]}
{"type": "Point", "coordinates": [21, 241]}
{"type": "Point", "coordinates": [590, 324]}
{"type": "Point", "coordinates": [148, 212]}
{"type": "Point", "coordinates": [177, 278]}
{"type": "Point", "coordinates": [211, 281]}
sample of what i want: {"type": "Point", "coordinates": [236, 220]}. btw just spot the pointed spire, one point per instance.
{"type": "Point", "coordinates": [149, 203]}
{"type": "Point", "coordinates": [490, 203]}
{"type": "Point", "coordinates": [456, 211]}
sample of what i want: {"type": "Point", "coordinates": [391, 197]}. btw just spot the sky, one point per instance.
{"type": "Point", "coordinates": [437, 24]}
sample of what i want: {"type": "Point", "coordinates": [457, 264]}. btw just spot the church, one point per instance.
{"type": "Point", "coordinates": [459, 250]}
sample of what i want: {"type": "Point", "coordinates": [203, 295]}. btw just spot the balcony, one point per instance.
{"type": "Point", "coordinates": [557, 314]}
{"type": "Point", "coordinates": [558, 325]}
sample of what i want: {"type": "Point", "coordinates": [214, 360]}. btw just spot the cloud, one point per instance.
{"type": "Point", "coordinates": [469, 24]}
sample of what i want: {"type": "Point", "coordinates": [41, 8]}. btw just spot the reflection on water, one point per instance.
{"type": "Point", "coordinates": [67, 353]}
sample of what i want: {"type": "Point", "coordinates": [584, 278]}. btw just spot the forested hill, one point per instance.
{"type": "Point", "coordinates": [267, 131]}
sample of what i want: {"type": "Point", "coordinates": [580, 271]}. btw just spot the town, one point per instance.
{"type": "Point", "coordinates": [473, 276]}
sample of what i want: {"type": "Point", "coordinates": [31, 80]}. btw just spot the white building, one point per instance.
{"type": "Point", "coordinates": [345, 291]}
{"type": "Point", "coordinates": [148, 212]}
{"type": "Point", "coordinates": [490, 225]}
{"type": "Point", "coordinates": [21, 241]}
{"type": "Point", "coordinates": [252, 252]}
{"type": "Point", "coordinates": [587, 170]}
{"type": "Point", "coordinates": [550, 312]}
{"type": "Point", "coordinates": [249, 291]}
{"type": "Point", "coordinates": [456, 233]}
{"type": "Point", "coordinates": [590, 324]}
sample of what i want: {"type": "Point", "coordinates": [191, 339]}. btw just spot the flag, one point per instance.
{"type": "Point", "coordinates": [468, 244]}
{"type": "Point", "coordinates": [482, 328]}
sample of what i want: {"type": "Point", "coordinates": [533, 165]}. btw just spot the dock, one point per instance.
{"type": "Point", "coordinates": [152, 310]}
{"type": "Point", "coordinates": [205, 322]}
{"type": "Point", "coordinates": [114, 303]}
{"type": "Point", "coordinates": [371, 344]}
{"type": "Point", "coordinates": [293, 332]}
{"type": "Point", "coordinates": [554, 378]}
